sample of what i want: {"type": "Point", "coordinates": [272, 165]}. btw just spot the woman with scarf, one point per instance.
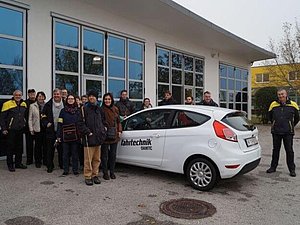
{"type": "Point", "coordinates": [67, 133]}
{"type": "Point", "coordinates": [37, 130]}
{"type": "Point", "coordinates": [109, 147]}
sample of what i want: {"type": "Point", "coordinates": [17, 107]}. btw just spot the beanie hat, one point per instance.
{"type": "Point", "coordinates": [93, 93]}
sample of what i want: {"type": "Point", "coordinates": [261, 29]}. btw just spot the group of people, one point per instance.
{"type": "Point", "coordinates": [87, 132]}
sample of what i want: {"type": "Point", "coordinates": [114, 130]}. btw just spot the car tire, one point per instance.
{"type": "Point", "coordinates": [201, 174]}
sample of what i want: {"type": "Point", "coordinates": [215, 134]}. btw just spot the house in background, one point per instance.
{"type": "Point", "coordinates": [143, 46]}
{"type": "Point", "coordinates": [284, 75]}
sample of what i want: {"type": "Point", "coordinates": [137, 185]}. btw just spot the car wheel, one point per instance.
{"type": "Point", "coordinates": [201, 174]}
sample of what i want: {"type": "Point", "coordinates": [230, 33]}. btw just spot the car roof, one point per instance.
{"type": "Point", "coordinates": [217, 112]}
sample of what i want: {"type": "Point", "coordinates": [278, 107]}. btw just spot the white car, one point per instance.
{"type": "Point", "coordinates": [204, 143]}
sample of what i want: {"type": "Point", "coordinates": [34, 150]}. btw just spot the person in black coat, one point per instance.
{"type": "Point", "coordinates": [125, 106]}
{"type": "Point", "coordinates": [168, 99]}
{"type": "Point", "coordinates": [93, 130]}
{"type": "Point", "coordinates": [207, 100]}
{"type": "Point", "coordinates": [50, 117]}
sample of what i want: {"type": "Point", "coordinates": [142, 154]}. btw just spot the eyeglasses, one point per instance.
{"type": "Point", "coordinates": [107, 99]}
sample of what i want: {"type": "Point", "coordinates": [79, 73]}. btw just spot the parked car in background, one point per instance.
{"type": "Point", "coordinates": [204, 143]}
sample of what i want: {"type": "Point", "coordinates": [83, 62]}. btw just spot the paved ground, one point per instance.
{"type": "Point", "coordinates": [34, 197]}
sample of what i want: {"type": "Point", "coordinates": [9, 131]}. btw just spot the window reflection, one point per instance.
{"type": "Point", "coordinates": [66, 35]}
{"type": "Point", "coordinates": [135, 71]}
{"type": "Point", "coordinates": [11, 22]}
{"type": "Point", "coordinates": [188, 63]}
{"type": "Point", "coordinates": [10, 80]}
{"type": "Point", "coordinates": [11, 52]}
{"type": "Point", "coordinates": [135, 51]}
{"type": "Point", "coordinates": [68, 82]}
{"type": "Point", "coordinates": [66, 60]}
{"type": "Point", "coordinates": [94, 85]}
{"type": "Point", "coordinates": [116, 67]}
{"type": "Point", "coordinates": [176, 76]}
{"type": "Point", "coordinates": [199, 80]}
{"type": "Point", "coordinates": [163, 74]}
{"type": "Point", "coordinates": [188, 78]}
{"type": "Point", "coordinates": [135, 90]}
{"type": "Point", "coordinates": [162, 57]}
{"type": "Point", "coordinates": [93, 41]}
{"type": "Point", "coordinates": [116, 46]}
{"type": "Point", "coordinates": [115, 87]}
{"type": "Point", "coordinates": [90, 67]}
{"type": "Point", "coordinates": [176, 60]}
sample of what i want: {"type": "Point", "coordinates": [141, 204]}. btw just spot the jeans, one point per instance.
{"type": "Point", "coordinates": [70, 147]}
{"type": "Point", "coordinates": [288, 146]}
{"type": "Point", "coordinates": [108, 157]}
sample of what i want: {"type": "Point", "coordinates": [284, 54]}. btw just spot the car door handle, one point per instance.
{"type": "Point", "coordinates": [155, 136]}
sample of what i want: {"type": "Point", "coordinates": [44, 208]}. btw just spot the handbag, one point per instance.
{"type": "Point", "coordinates": [70, 133]}
{"type": "Point", "coordinates": [111, 133]}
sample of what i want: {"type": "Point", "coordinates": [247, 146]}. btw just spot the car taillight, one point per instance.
{"type": "Point", "coordinates": [224, 132]}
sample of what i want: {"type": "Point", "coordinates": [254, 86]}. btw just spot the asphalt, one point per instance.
{"type": "Point", "coordinates": [33, 196]}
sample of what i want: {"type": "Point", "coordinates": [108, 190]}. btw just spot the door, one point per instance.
{"type": "Point", "coordinates": [93, 83]}
{"type": "Point", "coordinates": [143, 138]}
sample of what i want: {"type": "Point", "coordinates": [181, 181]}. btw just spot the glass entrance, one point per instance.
{"type": "Point", "coordinates": [93, 83]}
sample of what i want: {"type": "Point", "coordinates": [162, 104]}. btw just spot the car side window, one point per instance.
{"type": "Point", "coordinates": [148, 120]}
{"type": "Point", "coordinates": [188, 119]}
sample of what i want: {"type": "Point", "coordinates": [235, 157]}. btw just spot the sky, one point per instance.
{"type": "Point", "coordinates": [253, 20]}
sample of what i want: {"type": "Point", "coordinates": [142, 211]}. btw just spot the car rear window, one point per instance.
{"type": "Point", "coordinates": [238, 121]}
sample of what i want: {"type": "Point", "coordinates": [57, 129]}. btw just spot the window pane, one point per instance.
{"type": "Point", "coordinates": [199, 65]}
{"type": "Point", "coordinates": [223, 83]}
{"type": "Point", "coordinates": [116, 46]}
{"type": "Point", "coordinates": [238, 85]}
{"type": "Point", "coordinates": [223, 71]}
{"type": "Point", "coordinates": [93, 41]}
{"type": "Point", "coordinates": [161, 90]}
{"type": "Point", "coordinates": [245, 97]}
{"type": "Point", "coordinates": [223, 96]}
{"type": "Point", "coordinates": [135, 90]}
{"type": "Point", "coordinates": [162, 57]}
{"type": "Point", "coordinates": [66, 35]}
{"type": "Point", "coordinates": [94, 85]}
{"type": "Point", "coordinates": [10, 80]}
{"type": "Point", "coordinates": [230, 105]}
{"type": "Point", "coordinates": [177, 94]}
{"type": "Point", "coordinates": [92, 66]}
{"type": "Point", "coordinates": [116, 67]}
{"type": "Point", "coordinates": [115, 87]}
{"type": "Point", "coordinates": [238, 74]}
{"type": "Point", "coordinates": [238, 97]}
{"type": "Point", "coordinates": [245, 75]}
{"type": "Point", "coordinates": [230, 84]}
{"type": "Point", "coordinates": [68, 82]}
{"type": "Point", "coordinates": [176, 77]}
{"type": "Point", "coordinates": [11, 22]}
{"type": "Point", "coordinates": [11, 52]}
{"type": "Point", "coordinates": [135, 51]}
{"type": "Point", "coordinates": [198, 94]}
{"type": "Point", "coordinates": [199, 80]}
{"type": "Point", "coordinates": [245, 107]}
{"type": "Point", "coordinates": [230, 96]}
{"type": "Point", "coordinates": [189, 119]}
{"type": "Point", "coordinates": [135, 71]}
{"type": "Point", "coordinates": [66, 60]}
{"type": "Point", "coordinates": [223, 105]}
{"type": "Point", "coordinates": [258, 77]}
{"type": "Point", "coordinates": [244, 86]}
{"type": "Point", "coordinates": [188, 63]}
{"type": "Point", "coordinates": [176, 60]}
{"type": "Point", "coordinates": [230, 72]}
{"type": "Point", "coordinates": [188, 78]}
{"type": "Point", "coordinates": [163, 75]}
{"type": "Point", "coordinates": [238, 106]}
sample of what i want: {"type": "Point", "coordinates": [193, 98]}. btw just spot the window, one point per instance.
{"type": "Point", "coordinates": [85, 57]}
{"type": "Point", "coordinates": [262, 78]}
{"type": "Point", "coordinates": [294, 75]}
{"type": "Point", "coordinates": [233, 87]}
{"type": "Point", "coordinates": [188, 119]}
{"type": "Point", "coordinates": [12, 50]}
{"type": "Point", "coordinates": [148, 120]}
{"type": "Point", "coordinates": [180, 73]}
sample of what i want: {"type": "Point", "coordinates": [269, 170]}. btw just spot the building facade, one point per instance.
{"type": "Point", "coordinates": [143, 46]}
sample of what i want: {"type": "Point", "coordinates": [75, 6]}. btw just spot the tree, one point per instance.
{"type": "Point", "coordinates": [288, 54]}
{"type": "Point", "coordinates": [262, 100]}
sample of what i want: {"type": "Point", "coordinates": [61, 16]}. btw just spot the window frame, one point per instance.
{"type": "Point", "coordinates": [263, 78]}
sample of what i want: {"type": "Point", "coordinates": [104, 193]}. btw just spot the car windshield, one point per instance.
{"type": "Point", "coordinates": [238, 121]}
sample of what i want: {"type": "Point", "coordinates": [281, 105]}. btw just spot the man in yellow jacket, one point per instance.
{"type": "Point", "coordinates": [12, 122]}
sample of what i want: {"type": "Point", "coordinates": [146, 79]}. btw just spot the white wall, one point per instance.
{"type": "Point", "coordinates": [40, 43]}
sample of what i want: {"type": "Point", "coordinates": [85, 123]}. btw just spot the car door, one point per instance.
{"type": "Point", "coordinates": [143, 138]}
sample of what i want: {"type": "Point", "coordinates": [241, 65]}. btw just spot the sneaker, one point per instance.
{"type": "Point", "coordinates": [271, 170]}
{"type": "Point", "coordinates": [65, 173]}
{"type": "Point", "coordinates": [293, 173]}
{"type": "Point", "coordinates": [88, 182]}
{"type": "Point", "coordinates": [11, 169]}
{"type": "Point", "coordinates": [112, 176]}
{"type": "Point", "coordinates": [105, 176]}
{"type": "Point", "coordinates": [76, 173]}
{"type": "Point", "coordinates": [96, 180]}
{"type": "Point", "coordinates": [21, 166]}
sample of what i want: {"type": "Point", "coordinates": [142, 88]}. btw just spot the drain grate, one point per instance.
{"type": "Point", "coordinates": [185, 208]}
{"type": "Point", "coordinates": [21, 220]}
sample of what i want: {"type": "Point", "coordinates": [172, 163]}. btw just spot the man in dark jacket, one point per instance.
{"type": "Point", "coordinates": [93, 130]}
{"type": "Point", "coordinates": [207, 100]}
{"type": "Point", "coordinates": [29, 138]}
{"type": "Point", "coordinates": [284, 115]}
{"type": "Point", "coordinates": [12, 122]}
{"type": "Point", "coordinates": [50, 117]}
{"type": "Point", "coordinates": [125, 106]}
{"type": "Point", "coordinates": [168, 99]}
